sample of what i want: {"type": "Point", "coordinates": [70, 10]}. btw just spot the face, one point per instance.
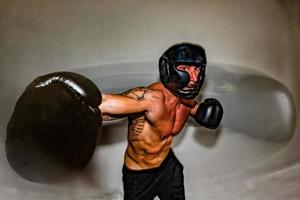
{"type": "Point", "coordinates": [193, 71]}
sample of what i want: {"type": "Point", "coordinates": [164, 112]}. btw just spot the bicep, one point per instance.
{"type": "Point", "coordinates": [121, 105]}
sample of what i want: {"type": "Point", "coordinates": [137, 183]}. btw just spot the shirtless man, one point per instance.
{"type": "Point", "coordinates": [52, 133]}
{"type": "Point", "coordinates": [157, 114]}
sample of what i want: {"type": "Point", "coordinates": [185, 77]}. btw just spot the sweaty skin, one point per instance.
{"type": "Point", "coordinates": [155, 116]}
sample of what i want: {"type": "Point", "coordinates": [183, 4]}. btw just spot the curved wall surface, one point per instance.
{"type": "Point", "coordinates": [253, 53]}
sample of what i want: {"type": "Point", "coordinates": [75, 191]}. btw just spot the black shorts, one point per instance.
{"type": "Point", "coordinates": [166, 181]}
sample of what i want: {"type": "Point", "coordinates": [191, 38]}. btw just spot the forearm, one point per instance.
{"type": "Point", "coordinates": [106, 107]}
{"type": "Point", "coordinates": [107, 117]}
{"type": "Point", "coordinates": [194, 109]}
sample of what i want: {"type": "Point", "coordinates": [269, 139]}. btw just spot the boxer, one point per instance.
{"type": "Point", "coordinates": [53, 130]}
{"type": "Point", "coordinates": [156, 114]}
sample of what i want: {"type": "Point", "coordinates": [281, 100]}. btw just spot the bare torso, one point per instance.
{"type": "Point", "coordinates": [150, 134]}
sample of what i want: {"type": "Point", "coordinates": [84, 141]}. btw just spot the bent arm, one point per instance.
{"type": "Point", "coordinates": [194, 109]}
{"type": "Point", "coordinates": [208, 114]}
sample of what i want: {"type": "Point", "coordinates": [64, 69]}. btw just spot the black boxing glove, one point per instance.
{"type": "Point", "coordinates": [53, 131]}
{"type": "Point", "coordinates": [81, 87]}
{"type": "Point", "coordinates": [209, 113]}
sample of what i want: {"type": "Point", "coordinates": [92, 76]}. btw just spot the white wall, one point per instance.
{"type": "Point", "coordinates": [43, 36]}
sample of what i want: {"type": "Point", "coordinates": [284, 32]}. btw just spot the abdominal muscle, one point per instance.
{"type": "Point", "coordinates": [146, 149]}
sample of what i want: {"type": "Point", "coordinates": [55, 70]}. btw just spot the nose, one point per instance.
{"type": "Point", "coordinates": [193, 72]}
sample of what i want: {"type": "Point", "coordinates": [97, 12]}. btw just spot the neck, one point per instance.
{"type": "Point", "coordinates": [172, 98]}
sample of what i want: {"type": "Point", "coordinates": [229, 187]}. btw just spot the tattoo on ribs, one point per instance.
{"type": "Point", "coordinates": [136, 126]}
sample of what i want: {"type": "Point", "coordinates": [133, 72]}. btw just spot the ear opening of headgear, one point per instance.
{"type": "Point", "coordinates": [164, 69]}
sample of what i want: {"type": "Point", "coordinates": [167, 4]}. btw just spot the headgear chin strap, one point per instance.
{"type": "Point", "coordinates": [176, 80]}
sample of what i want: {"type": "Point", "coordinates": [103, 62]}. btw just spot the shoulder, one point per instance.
{"type": "Point", "coordinates": [144, 93]}
{"type": "Point", "coordinates": [157, 90]}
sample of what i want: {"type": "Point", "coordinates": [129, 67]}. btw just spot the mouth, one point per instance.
{"type": "Point", "coordinates": [189, 88]}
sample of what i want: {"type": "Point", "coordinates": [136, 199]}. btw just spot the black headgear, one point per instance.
{"type": "Point", "coordinates": [175, 80]}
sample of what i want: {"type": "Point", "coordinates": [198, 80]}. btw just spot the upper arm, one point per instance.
{"type": "Point", "coordinates": [133, 101]}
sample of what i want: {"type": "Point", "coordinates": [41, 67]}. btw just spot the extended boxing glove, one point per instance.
{"type": "Point", "coordinates": [209, 113]}
{"type": "Point", "coordinates": [53, 131]}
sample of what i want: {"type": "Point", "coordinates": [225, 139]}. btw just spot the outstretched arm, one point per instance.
{"type": "Point", "coordinates": [133, 101]}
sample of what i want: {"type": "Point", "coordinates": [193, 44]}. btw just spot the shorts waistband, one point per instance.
{"type": "Point", "coordinates": [162, 165]}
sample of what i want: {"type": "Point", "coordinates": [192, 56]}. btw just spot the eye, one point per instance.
{"type": "Point", "coordinates": [182, 67]}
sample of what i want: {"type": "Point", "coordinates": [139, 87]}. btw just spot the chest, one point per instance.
{"type": "Point", "coordinates": [176, 121]}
